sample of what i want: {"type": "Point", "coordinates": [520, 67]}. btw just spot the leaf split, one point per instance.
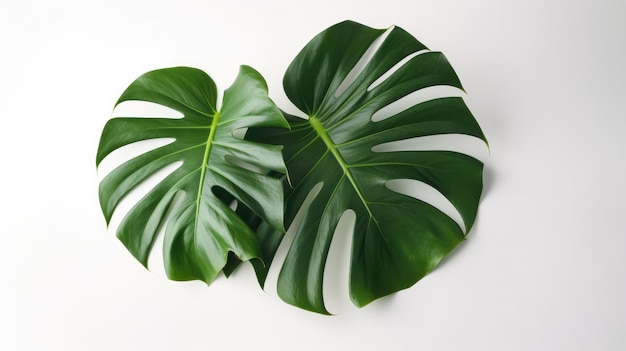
{"type": "Point", "coordinates": [341, 79]}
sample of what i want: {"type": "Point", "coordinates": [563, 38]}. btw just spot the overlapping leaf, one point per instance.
{"type": "Point", "coordinates": [202, 228]}
{"type": "Point", "coordinates": [397, 239]}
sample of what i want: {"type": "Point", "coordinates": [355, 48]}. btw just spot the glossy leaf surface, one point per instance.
{"type": "Point", "coordinates": [397, 239]}
{"type": "Point", "coordinates": [202, 229]}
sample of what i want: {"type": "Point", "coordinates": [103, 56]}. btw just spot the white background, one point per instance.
{"type": "Point", "coordinates": [543, 269]}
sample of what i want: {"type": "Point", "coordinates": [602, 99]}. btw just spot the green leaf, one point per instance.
{"type": "Point", "coordinates": [397, 239]}
{"type": "Point", "coordinates": [215, 167]}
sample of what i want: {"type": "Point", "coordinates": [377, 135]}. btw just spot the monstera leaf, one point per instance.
{"type": "Point", "coordinates": [202, 229]}
{"type": "Point", "coordinates": [397, 239]}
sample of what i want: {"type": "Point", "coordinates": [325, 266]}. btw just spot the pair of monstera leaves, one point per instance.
{"type": "Point", "coordinates": [328, 159]}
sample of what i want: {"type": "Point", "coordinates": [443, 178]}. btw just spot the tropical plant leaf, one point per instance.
{"type": "Point", "coordinates": [214, 168]}
{"type": "Point", "coordinates": [397, 239]}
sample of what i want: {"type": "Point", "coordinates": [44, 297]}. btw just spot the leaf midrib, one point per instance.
{"type": "Point", "coordinates": [332, 147]}
{"type": "Point", "coordinates": [204, 165]}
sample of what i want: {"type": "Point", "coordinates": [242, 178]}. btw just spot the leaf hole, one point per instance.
{"type": "Point", "coordinates": [395, 68]}
{"type": "Point", "coordinates": [239, 133]}
{"type": "Point", "coordinates": [281, 253]}
{"type": "Point", "coordinates": [426, 193]}
{"type": "Point", "coordinates": [145, 109]}
{"type": "Point", "coordinates": [461, 143]}
{"type": "Point", "coordinates": [336, 289]}
{"type": "Point", "coordinates": [362, 63]}
{"type": "Point", "coordinates": [127, 152]}
{"type": "Point", "coordinates": [415, 98]}
{"type": "Point", "coordinates": [139, 192]}
{"type": "Point", "coordinates": [155, 258]}
{"type": "Point", "coordinates": [245, 165]}
{"type": "Point", "coordinates": [233, 205]}
{"type": "Point", "coordinates": [226, 197]}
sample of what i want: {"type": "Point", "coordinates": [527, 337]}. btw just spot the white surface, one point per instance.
{"type": "Point", "coordinates": [543, 269]}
